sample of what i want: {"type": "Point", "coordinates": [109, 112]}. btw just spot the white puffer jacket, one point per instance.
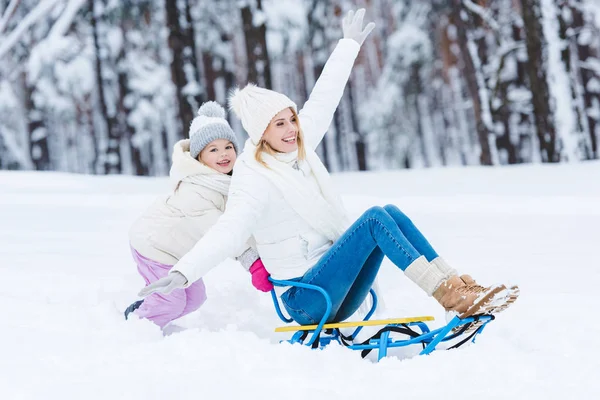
{"type": "Point", "coordinates": [287, 244]}
{"type": "Point", "coordinates": [173, 224]}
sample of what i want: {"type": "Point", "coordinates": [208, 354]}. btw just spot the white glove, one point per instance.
{"type": "Point", "coordinates": [352, 26]}
{"type": "Point", "coordinates": [166, 285]}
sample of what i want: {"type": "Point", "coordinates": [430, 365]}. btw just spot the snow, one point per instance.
{"type": "Point", "coordinates": [75, 76]}
{"type": "Point", "coordinates": [114, 41]}
{"type": "Point", "coordinates": [47, 53]}
{"type": "Point", "coordinates": [286, 22]}
{"type": "Point", "coordinates": [68, 275]}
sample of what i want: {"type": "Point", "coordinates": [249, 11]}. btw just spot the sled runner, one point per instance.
{"type": "Point", "coordinates": [415, 329]}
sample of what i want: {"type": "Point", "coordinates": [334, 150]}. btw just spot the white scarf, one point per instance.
{"type": "Point", "coordinates": [187, 169]}
{"type": "Point", "coordinates": [322, 209]}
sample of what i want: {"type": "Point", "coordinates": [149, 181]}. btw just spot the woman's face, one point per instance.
{"type": "Point", "coordinates": [219, 155]}
{"type": "Point", "coordinates": [282, 132]}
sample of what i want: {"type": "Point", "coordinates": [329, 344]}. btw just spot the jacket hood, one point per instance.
{"type": "Point", "coordinates": [185, 166]}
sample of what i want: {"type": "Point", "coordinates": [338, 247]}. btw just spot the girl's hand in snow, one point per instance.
{"type": "Point", "coordinates": [166, 285]}
{"type": "Point", "coordinates": [352, 26]}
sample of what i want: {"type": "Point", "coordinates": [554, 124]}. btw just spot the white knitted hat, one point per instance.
{"type": "Point", "coordinates": [209, 125]}
{"type": "Point", "coordinates": [256, 107]}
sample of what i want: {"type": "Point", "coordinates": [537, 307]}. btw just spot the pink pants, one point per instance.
{"type": "Point", "coordinates": [164, 308]}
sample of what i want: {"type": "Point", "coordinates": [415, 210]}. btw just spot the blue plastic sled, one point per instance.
{"type": "Point", "coordinates": [319, 336]}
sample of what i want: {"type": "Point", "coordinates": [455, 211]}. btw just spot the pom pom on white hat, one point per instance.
{"type": "Point", "coordinates": [256, 107]}
{"type": "Point", "coordinates": [209, 125]}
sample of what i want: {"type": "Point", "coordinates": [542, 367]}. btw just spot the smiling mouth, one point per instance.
{"type": "Point", "coordinates": [224, 163]}
{"type": "Point", "coordinates": [290, 139]}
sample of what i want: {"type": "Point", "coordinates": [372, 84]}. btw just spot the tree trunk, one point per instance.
{"type": "Point", "coordinates": [524, 122]}
{"type": "Point", "coordinates": [123, 110]}
{"type": "Point", "coordinates": [485, 158]}
{"type": "Point", "coordinates": [190, 59]}
{"type": "Point", "coordinates": [210, 75]}
{"type": "Point", "coordinates": [359, 141]}
{"type": "Point", "coordinates": [177, 43]}
{"type": "Point", "coordinates": [414, 88]}
{"type": "Point", "coordinates": [259, 67]}
{"type": "Point", "coordinates": [317, 69]}
{"type": "Point", "coordinates": [112, 159]}
{"type": "Point", "coordinates": [586, 55]}
{"type": "Point", "coordinates": [503, 112]}
{"type": "Point", "coordinates": [38, 136]}
{"type": "Point", "coordinates": [568, 57]}
{"type": "Point", "coordinates": [338, 122]}
{"type": "Point", "coordinates": [503, 116]}
{"type": "Point", "coordinates": [536, 71]}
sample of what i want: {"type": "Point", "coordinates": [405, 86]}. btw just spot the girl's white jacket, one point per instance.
{"type": "Point", "coordinates": [173, 224]}
{"type": "Point", "coordinates": [286, 243]}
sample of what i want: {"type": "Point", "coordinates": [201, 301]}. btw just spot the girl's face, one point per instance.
{"type": "Point", "coordinates": [282, 132]}
{"type": "Point", "coordinates": [219, 155]}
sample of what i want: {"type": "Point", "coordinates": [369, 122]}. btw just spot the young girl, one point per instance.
{"type": "Point", "coordinates": [281, 194]}
{"type": "Point", "coordinates": [200, 178]}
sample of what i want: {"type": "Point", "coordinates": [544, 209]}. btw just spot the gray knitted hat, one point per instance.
{"type": "Point", "coordinates": [209, 125]}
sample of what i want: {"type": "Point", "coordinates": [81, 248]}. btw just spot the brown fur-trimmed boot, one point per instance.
{"type": "Point", "coordinates": [459, 294]}
{"type": "Point", "coordinates": [501, 303]}
{"type": "Point", "coordinates": [464, 296]}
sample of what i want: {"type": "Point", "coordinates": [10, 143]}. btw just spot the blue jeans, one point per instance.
{"type": "Point", "coordinates": [347, 270]}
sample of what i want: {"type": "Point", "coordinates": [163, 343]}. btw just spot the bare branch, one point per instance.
{"type": "Point", "coordinates": [65, 20]}
{"type": "Point", "coordinates": [9, 12]}
{"type": "Point", "coordinates": [41, 10]}
{"type": "Point", "coordinates": [484, 13]}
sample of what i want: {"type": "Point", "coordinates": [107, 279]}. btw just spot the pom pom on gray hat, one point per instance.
{"type": "Point", "coordinates": [209, 125]}
{"type": "Point", "coordinates": [212, 109]}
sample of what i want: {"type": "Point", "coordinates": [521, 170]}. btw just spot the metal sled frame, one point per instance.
{"type": "Point", "coordinates": [324, 333]}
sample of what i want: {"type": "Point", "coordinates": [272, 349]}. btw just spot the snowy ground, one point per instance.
{"type": "Point", "coordinates": [67, 276]}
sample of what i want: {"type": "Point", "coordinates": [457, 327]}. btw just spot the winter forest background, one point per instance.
{"type": "Point", "coordinates": [108, 86]}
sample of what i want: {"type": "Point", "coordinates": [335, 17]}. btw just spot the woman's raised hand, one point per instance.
{"type": "Point", "coordinates": [352, 26]}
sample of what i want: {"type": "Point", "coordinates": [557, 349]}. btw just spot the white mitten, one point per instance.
{"type": "Point", "coordinates": [166, 285]}
{"type": "Point", "coordinates": [352, 26]}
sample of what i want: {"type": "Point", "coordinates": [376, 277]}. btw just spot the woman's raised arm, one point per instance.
{"type": "Point", "coordinates": [317, 113]}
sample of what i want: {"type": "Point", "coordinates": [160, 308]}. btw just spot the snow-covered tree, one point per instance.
{"type": "Point", "coordinates": [107, 86]}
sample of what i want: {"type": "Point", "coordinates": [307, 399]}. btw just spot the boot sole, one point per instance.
{"type": "Point", "coordinates": [511, 297]}
{"type": "Point", "coordinates": [483, 302]}
{"type": "Point", "coordinates": [493, 302]}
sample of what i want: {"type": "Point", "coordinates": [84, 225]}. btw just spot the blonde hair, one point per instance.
{"type": "Point", "coordinates": [264, 147]}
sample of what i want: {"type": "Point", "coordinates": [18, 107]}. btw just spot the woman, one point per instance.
{"type": "Point", "coordinates": [281, 195]}
{"type": "Point", "coordinates": [171, 226]}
